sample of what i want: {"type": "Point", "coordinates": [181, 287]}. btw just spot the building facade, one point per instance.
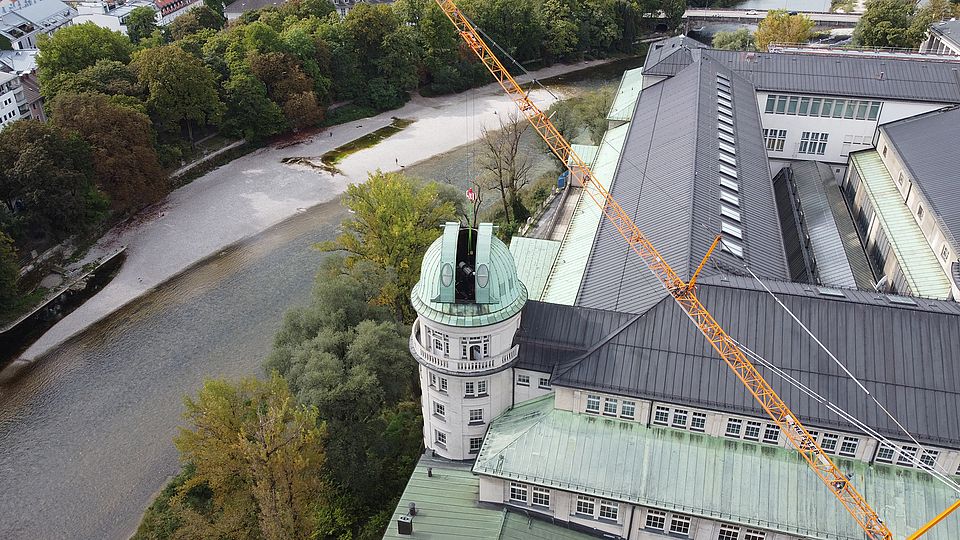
{"type": "Point", "coordinates": [22, 21]}
{"type": "Point", "coordinates": [942, 38]}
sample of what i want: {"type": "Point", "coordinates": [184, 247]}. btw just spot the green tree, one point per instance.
{"type": "Point", "coordinates": [75, 47]}
{"type": "Point", "coordinates": [51, 173]}
{"type": "Point", "coordinates": [141, 23]}
{"type": "Point", "coordinates": [738, 40]}
{"type": "Point", "coordinates": [105, 77]}
{"type": "Point", "coordinates": [394, 220]}
{"type": "Point", "coordinates": [249, 111]}
{"type": "Point", "coordinates": [929, 13]}
{"type": "Point", "coordinates": [9, 274]}
{"type": "Point", "coordinates": [257, 455]}
{"type": "Point", "coordinates": [885, 23]}
{"type": "Point", "coordinates": [121, 139]}
{"type": "Point", "coordinates": [180, 89]}
{"type": "Point", "coordinates": [302, 110]}
{"type": "Point", "coordinates": [674, 10]}
{"type": "Point", "coordinates": [781, 27]}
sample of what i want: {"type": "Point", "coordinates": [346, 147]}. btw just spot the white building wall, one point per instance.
{"type": "Point", "coordinates": [844, 135]}
{"type": "Point", "coordinates": [9, 109]}
{"type": "Point", "coordinates": [459, 393]}
{"type": "Point", "coordinates": [109, 22]}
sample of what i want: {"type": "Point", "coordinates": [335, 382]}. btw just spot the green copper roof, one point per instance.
{"type": "Point", "coordinates": [430, 296]}
{"type": "Point", "coordinates": [586, 152]}
{"type": "Point", "coordinates": [448, 507]}
{"type": "Point", "coordinates": [571, 262]}
{"type": "Point", "coordinates": [627, 95]}
{"type": "Point", "coordinates": [917, 261]}
{"type": "Point", "coordinates": [533, 257]}
{"type": "Point", "coordinates": [722, 479]}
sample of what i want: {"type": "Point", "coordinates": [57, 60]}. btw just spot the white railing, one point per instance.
{"type": "Point", "coordinates": [458, 364]}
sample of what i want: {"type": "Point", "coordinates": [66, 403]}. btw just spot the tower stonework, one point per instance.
{"type": "Point", "coordinates": [468, 303]}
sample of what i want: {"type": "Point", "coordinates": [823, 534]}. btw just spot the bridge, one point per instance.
{"type": "Point", "coordinates": [694, 18]}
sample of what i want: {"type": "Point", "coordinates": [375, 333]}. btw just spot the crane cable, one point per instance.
{"type": "Point", "coordinates": [850, 418]}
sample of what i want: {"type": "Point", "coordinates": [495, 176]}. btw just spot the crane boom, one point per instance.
{"type": "Point", "coordinates": [683, 293]}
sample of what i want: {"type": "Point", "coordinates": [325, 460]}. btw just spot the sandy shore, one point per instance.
{"type": "Point", "coordinates": [256, 191]}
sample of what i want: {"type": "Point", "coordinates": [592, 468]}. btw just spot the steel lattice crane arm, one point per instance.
{"type": "Point", "coordinates": [682, 292]}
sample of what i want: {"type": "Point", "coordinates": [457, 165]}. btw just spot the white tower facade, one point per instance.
{"type": "Point", "coordinates": [468, 303]}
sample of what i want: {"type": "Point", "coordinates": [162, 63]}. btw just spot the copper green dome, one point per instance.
{"type": "Point", "coordinates": [468, 278]}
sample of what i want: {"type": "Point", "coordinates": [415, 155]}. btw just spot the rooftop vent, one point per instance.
{"type": "Point", "coordinates": [827, 291]}
{"type": "Point", "coordinates": [405, 525]}
{"type": "Point", "coordinates": [903, 300]}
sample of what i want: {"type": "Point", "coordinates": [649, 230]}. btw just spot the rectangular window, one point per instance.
{"type": "Point", "coordinates": [792, 105]}
{"type": "Point", "coordinates": [440, 437]}
{"type": "Point", "coordinates": [585, 505]}
{"type": "Point", "coordinates": [593, 403]}
{"type": "Point", "coordinates": [781, 104]}
{"type": "Point", "coordinates": [771, 434]}
{"type": "Point", "coordinates": [838, 107]}
{"type": "Point", "coordinates": [433, 380]}
{"type": "Point", "coordinates": [929, 458]}
{"type": "Point", "coordinates": [734, 425]}
{"type": "Point", "coordinates": [729, 184]}
{"type": "Point", "coordinates": [476, 416]}
{"type": "Point", "coordinates": [680, 418]}
{"type": "Point", "coordinates": [628, 410]}
{"type": "Point", "coordinates": [728, 532]}
{"type": "Point", "coordinates": [920, 212]}
{"type": "Point", "coordinates": [900, 178]}
{"type": "Point", "coordinates": [541, 497]}
{"type": "Point", "coordinates": [829, 442]}
{"type": "Point", "coordinates": [774, 139]}
{"type": "Point", "coordinates": [475, 348]}
{"type": "Point", "coordinates": [907, 453]}
{"type": "Point", "coordinates": [481, 388]}
{"type": "Point", "coordinates": [731, 229]}
{"type": "Point", "coordinates": [729, 198]}
{"type": "Point", "coordinates": [815, 106]}
{"type": "Point", "coordinates": [609, 510]}
{"type": "Point", "coordinates": [662, 415]}
{"type": "Point", "coordinates": [848, 447]}
{"type": "Point", "coordinates": [827, 107]}
{"type": "Point", "coordinates": [944, 252]}
{"type": "Point", "coordinates": [523, 380]}
{"type": "Point", "coordinates": [812, 142]}
{"type": "Point", "coordinates": [771, 103]}
{"type": "Point", "coordinates": [469, 389]}
{"type": "Point", "coordinates": [475, 444]}
{"type": "Point", "coordinates": [439, 410]}
{"type": "Point", "coordinates": [862, 107]}
{"type": "Point", "coordinates": [680, 525]}
{"type": "Point", "coordinates": [851, 109]}
{"type": "Point", "coordinates": [753, 534]}
{"type": "Point", "coordinates": [610, 407]}
{"type": "Point", "coordinates": [885, 454]}
{"type": "Point", "coordinates": [443, 384]}
{"type": "Point", "coordinates": [874, 111]}
{"type": "Point", "coordinates": [753, 431]}
{"type": "Point", "coordinates": [544, 383]}
{"type": "Point", "coordinates": [726, 211]}
{"type": "Point", "coordinates": [518, 492]}
{"type": "Point", "coordinates": [698, 421]}
{"type": "Point", "coordinates": [655, 520]}
{"type": "Point", "coordinates": [804, 106]}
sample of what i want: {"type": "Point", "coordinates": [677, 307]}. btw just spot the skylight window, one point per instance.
{"type": "Point", "coordinates": [732, 247]}
{"type": "Point", "coordinates": [897, 299]}
{"type": "Point", "coordinates": [727, 158]}
{"type": "Point", "coordinates": [827, 291]}
{"type": "Point", "coordinates": [732, 230]}
{"type": "Point", "coordinates": [725, 119]}
{"type": "Point", "coordinates": [724, 127]}
{"type": "Point", "coordinates": [729, 148]}
{"type": "Point", "coordinates": [729, 184]}
{"type": "Point", "coordinates": [726, 137]}
{"type": "Point", "coordinates": [728, 197]}
{"type": "Point", "coordinates": [726, 211]}
{"type": "Point", "coordinates": [729, 171]}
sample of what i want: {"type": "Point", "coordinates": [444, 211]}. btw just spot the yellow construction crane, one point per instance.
{"type": "Point", "coordinates": [682, 292]}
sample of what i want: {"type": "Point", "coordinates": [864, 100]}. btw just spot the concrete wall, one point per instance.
{"type": "Point", "coordinates": [9, 109]}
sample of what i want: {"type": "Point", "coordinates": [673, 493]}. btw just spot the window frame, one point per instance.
{"type": "Point", "coordinates": [767, 430]}
{"type": "Point", "coordinates": [733, 422]}
{"type": "Point", "coordinates": [680, 418]}
{"type": "Point", "coordinates": [523, 379]}
{"type": "Point", "coordinates": [473, 419]}
{"type": "Point", "coordinates": [585, 501]}
{"type": "Point", "coordinates": [439, 410]}
{"type": "Point", "coordinates": [470, 448]}
{"type": "Point", "coordinates": [544, 494]}
{"type": "Point", "coordinates": [543, 383]}
{"type": "Point", "coordinates": [843, 451]}
{"type": "Point", "coordinates": [680, 519]}
{"type": "Point", "coordinates": [519, 489]}
{"type": "Point", "coordinates": [613, 515]}
{"type": "Point", "coordinates": [606, 406]}
{"type": "Point", "coordinates": [656, 412]}
{"type": "Point", "coordinates": [656, 515]}
{"type": "Point", "coordinates": [440, 437]}
{"type": "Point", "coordinates": [590, 399]}
{"type": "Point", "coordinates": [833, 444]}
{"type": "Point", "coordinates": [702, 417]}
{"type": "Point", "coordinates": [632, 405]}
{"type": "Point", "coordinates": [752, 425]}
{"type": "Point", "coordinates": [728, 532]}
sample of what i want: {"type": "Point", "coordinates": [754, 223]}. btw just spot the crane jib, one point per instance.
{"type": "Point", "coordinates": [683, 293]}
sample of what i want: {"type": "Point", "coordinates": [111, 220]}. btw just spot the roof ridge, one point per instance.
{"type": "Point", "coordinates": [561, 370]}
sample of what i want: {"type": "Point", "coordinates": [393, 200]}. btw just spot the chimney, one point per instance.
{"type": "Point", "coordinates": [405, 525]}
{"type": "Point", "coordinates": [412, 509]}
{"type": "Point", "coordinates": [429, 472]}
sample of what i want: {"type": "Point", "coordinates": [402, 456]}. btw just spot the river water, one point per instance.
{"type": "Point", "coordinates": [85, 434]}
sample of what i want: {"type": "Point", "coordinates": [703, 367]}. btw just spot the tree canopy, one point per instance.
{"type": "Point", "coordinates": [80, 46]}
{"type": "Point", "coordinates": [898, 23]}
{"type": "Point", "coordinates": [141, 23]}
{"type": "Point", "coordinates": [738, 40]}
{"type": "Point", "coordinates": [779, 26]}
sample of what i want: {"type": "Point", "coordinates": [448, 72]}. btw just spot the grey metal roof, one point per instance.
{"type": "Point", "coordinates": [927, 146]}
{"type": "Point", "coordinates": [813, 181]}
{"type": "Point", "coordinates": [668, 180]}
{"type": "Point", "coordinates": [948, 30]}
{"type": "Point", "coordinates": [903, 349]}
{"type": "Point", "coordinates": [910, 79]}
{"type": "Point", "coordinates": [669, 56]}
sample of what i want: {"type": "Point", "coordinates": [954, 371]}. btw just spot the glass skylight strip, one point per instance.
{"type": "Point", "coordinates": [726, 211]}
{"type": "Point", "coordinates": [727, 158]}
{"type": "Point", "coordinates": [729, 171]}
{"type": "Point", "coordinates": [731, 229]}
{"type": "Point", "coordinates": [727, 148]}
{"type": "Point", "coordinates": [729, 184]}
{"type": "Point", "coordinates": [732, 247]}
{"type": "Point", "coordinates": [725, 137]}
{"type": "Point", "coordinates": [728, 197]}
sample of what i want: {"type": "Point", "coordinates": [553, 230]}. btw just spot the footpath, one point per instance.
{"type": "Point", "coordinates": [258, 190]}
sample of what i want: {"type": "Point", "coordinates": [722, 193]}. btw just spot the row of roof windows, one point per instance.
{"type": "Point", "coordinates": [849, 109]}
{"type": "Point", "coordinates": [729, 188]}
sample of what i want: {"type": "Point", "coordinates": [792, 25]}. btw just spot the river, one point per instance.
{"type": "Point", "coordinates": [85, 435]}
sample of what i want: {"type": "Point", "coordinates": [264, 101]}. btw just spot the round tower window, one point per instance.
{"type": "Point", "coordinates": [446, 274]}
{"type": "Point", "coordinates": [483, 275]}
